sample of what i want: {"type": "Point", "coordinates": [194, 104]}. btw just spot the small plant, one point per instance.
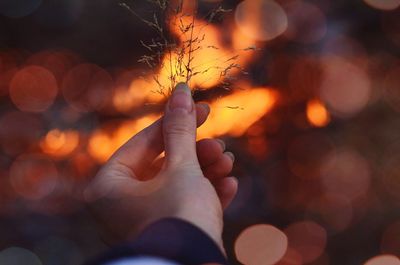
{"type": "Point", "coordinates": [181, 38]}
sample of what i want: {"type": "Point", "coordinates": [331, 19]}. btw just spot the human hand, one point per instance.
{"type": "Point", "coordinates": [191, 183]}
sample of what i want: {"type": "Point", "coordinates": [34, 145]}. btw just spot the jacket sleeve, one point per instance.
{"type": "Point", "coordinates": [171, 239]}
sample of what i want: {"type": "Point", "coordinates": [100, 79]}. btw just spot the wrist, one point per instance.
{"type": "Point", "coordinates": [212, 225]}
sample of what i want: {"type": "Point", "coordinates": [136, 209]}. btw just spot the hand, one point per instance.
{"type": "Point", "coordinates": [192, 184]}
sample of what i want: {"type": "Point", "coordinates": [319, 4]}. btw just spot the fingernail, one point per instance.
{"type": "Point", "coordinates": [222, 143]}
{"type": "Point", "coordinates": [235, 179]}
{"type": "Point", "coordinates": [204, 106]}
{"type": "Point", "coordinates": [181, 98]}
{"type": "Point", "coordinates": [231, 156]}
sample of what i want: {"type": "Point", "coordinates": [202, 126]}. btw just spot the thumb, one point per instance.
{"type": "Point", "coordinates": [179, 127]}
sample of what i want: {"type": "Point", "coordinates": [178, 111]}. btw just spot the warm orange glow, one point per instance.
{"type": "Point", "coordinates": [103, 143]}
{"type": "Point", "coordinates": [261, 244]}
{"type": "Point", "coordinates": [60, 143]}
{"type": "Point", "coordinates": [209, 61]}
{"type": "Point", "coordinates": [235, 113]}
{"type": "Point", "coordinates": [126, 98]}
{"type": "Point", "coordinates": [317, 114]}
{"type": "Point", "coordinates": [208, 64]}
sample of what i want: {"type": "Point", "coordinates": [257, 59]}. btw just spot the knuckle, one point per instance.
{"type": "Point", "coordinates": [179, 128]}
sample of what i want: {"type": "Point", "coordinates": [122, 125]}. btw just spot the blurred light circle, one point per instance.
{"type": "Point", "coordinates": [292, 257]}
{"type": "Point", "coordinates": [19, 131]}
{"type": "Point", "coordinates": [383, 4]}
{"type": "Point", "coordinates": [345, 87]}
{"type": "Point", "coordinates": [383, 260]}
{"type": "Point", "coordinates": [56, 61]}
{"type": "Point", "coordinates": [308, 239]}
{"type": "Point", "coordinates": [317, 114]}
{"type": "Point", "coordinates": [390, 242]}
{"type": "Point", "coordinates": [60, 144]}
{"type": "Point", "coordinates": [261, 20]}
{"type": "Point", "coordinates": [306, 22]}
{"type": "Point", "coordinates": [335, 211]}
{"type": "Point", "coordinates": [392, 88]}
{"type": "Point", "coordinates": [16, 255]}
{"type": "Point", "coordinates": [33, 176]}
{"type": "Point", "coordinates": [33, 89]}
{"type": "Point", "coordinates": [87, 87]}
{"type": "Point", "coordinates": [260, 244]}
{"type": "Point", "coordinates": [347, 173]}
{"type": "Point", "coordinates": [18, 8]}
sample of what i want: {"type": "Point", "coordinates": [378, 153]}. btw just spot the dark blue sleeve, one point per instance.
{"type": "Point", "coordinates": [172, 239]}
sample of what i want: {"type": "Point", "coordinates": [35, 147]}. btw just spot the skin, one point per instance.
{"type": "Point", "coordinates": [135, 187]}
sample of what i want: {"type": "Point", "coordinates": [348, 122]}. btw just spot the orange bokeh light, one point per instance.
{"type": "Point", "coordinates": [336, 211]}
{"type": "Point", "coordinates": [317, 114]}
{"type": "Point", "coordinates": [261, 244]}
{"type": "Point", "coordinates": [33, 176]}
{"type": "Point", "coordinates": [60, 143]}
{"type": "Point", "coordinates": [308, 239]}
{"type": "Point", "coordinates": [347, 173]}
{"type": "Point", "coordinates": [306, 22]}
{"type": "Point", "coordinates": [19, 131]}
{"type": "Point", "coordinates": [87, 87]}
{"type": "Point", "coordinates": [56, 61]}
{"type": "Point", "coordinates": [260, 19]}
{"type": "Point", "coordinates": [383, 260]}
{"type": "Point", "coordinates": [345, 87]}
{"type": "Point", "coordinates": [33, 89]}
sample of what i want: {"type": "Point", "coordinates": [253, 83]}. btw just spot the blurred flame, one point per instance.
{"type": "Point", "coordinates": [60, 143]}
{"type": "Point", "coordinates": [209, 61]}
{"type": "Point", "coordinates": [231, 115]}
{"type": "Point", "coordinates": [103, 143]}
{"type": "Point", "coordinates": [317, 114]}
{"type": "Point", "coordinates": [235, 113]}
{"type": "Point", "coordinates": [208, 64]}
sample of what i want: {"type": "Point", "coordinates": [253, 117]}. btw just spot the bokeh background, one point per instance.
{"type": "Point", "coordinates": [314, 123]}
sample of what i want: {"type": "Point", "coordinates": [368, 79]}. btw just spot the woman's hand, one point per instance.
{"type": "Point", "coordinates": [134, 188]}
